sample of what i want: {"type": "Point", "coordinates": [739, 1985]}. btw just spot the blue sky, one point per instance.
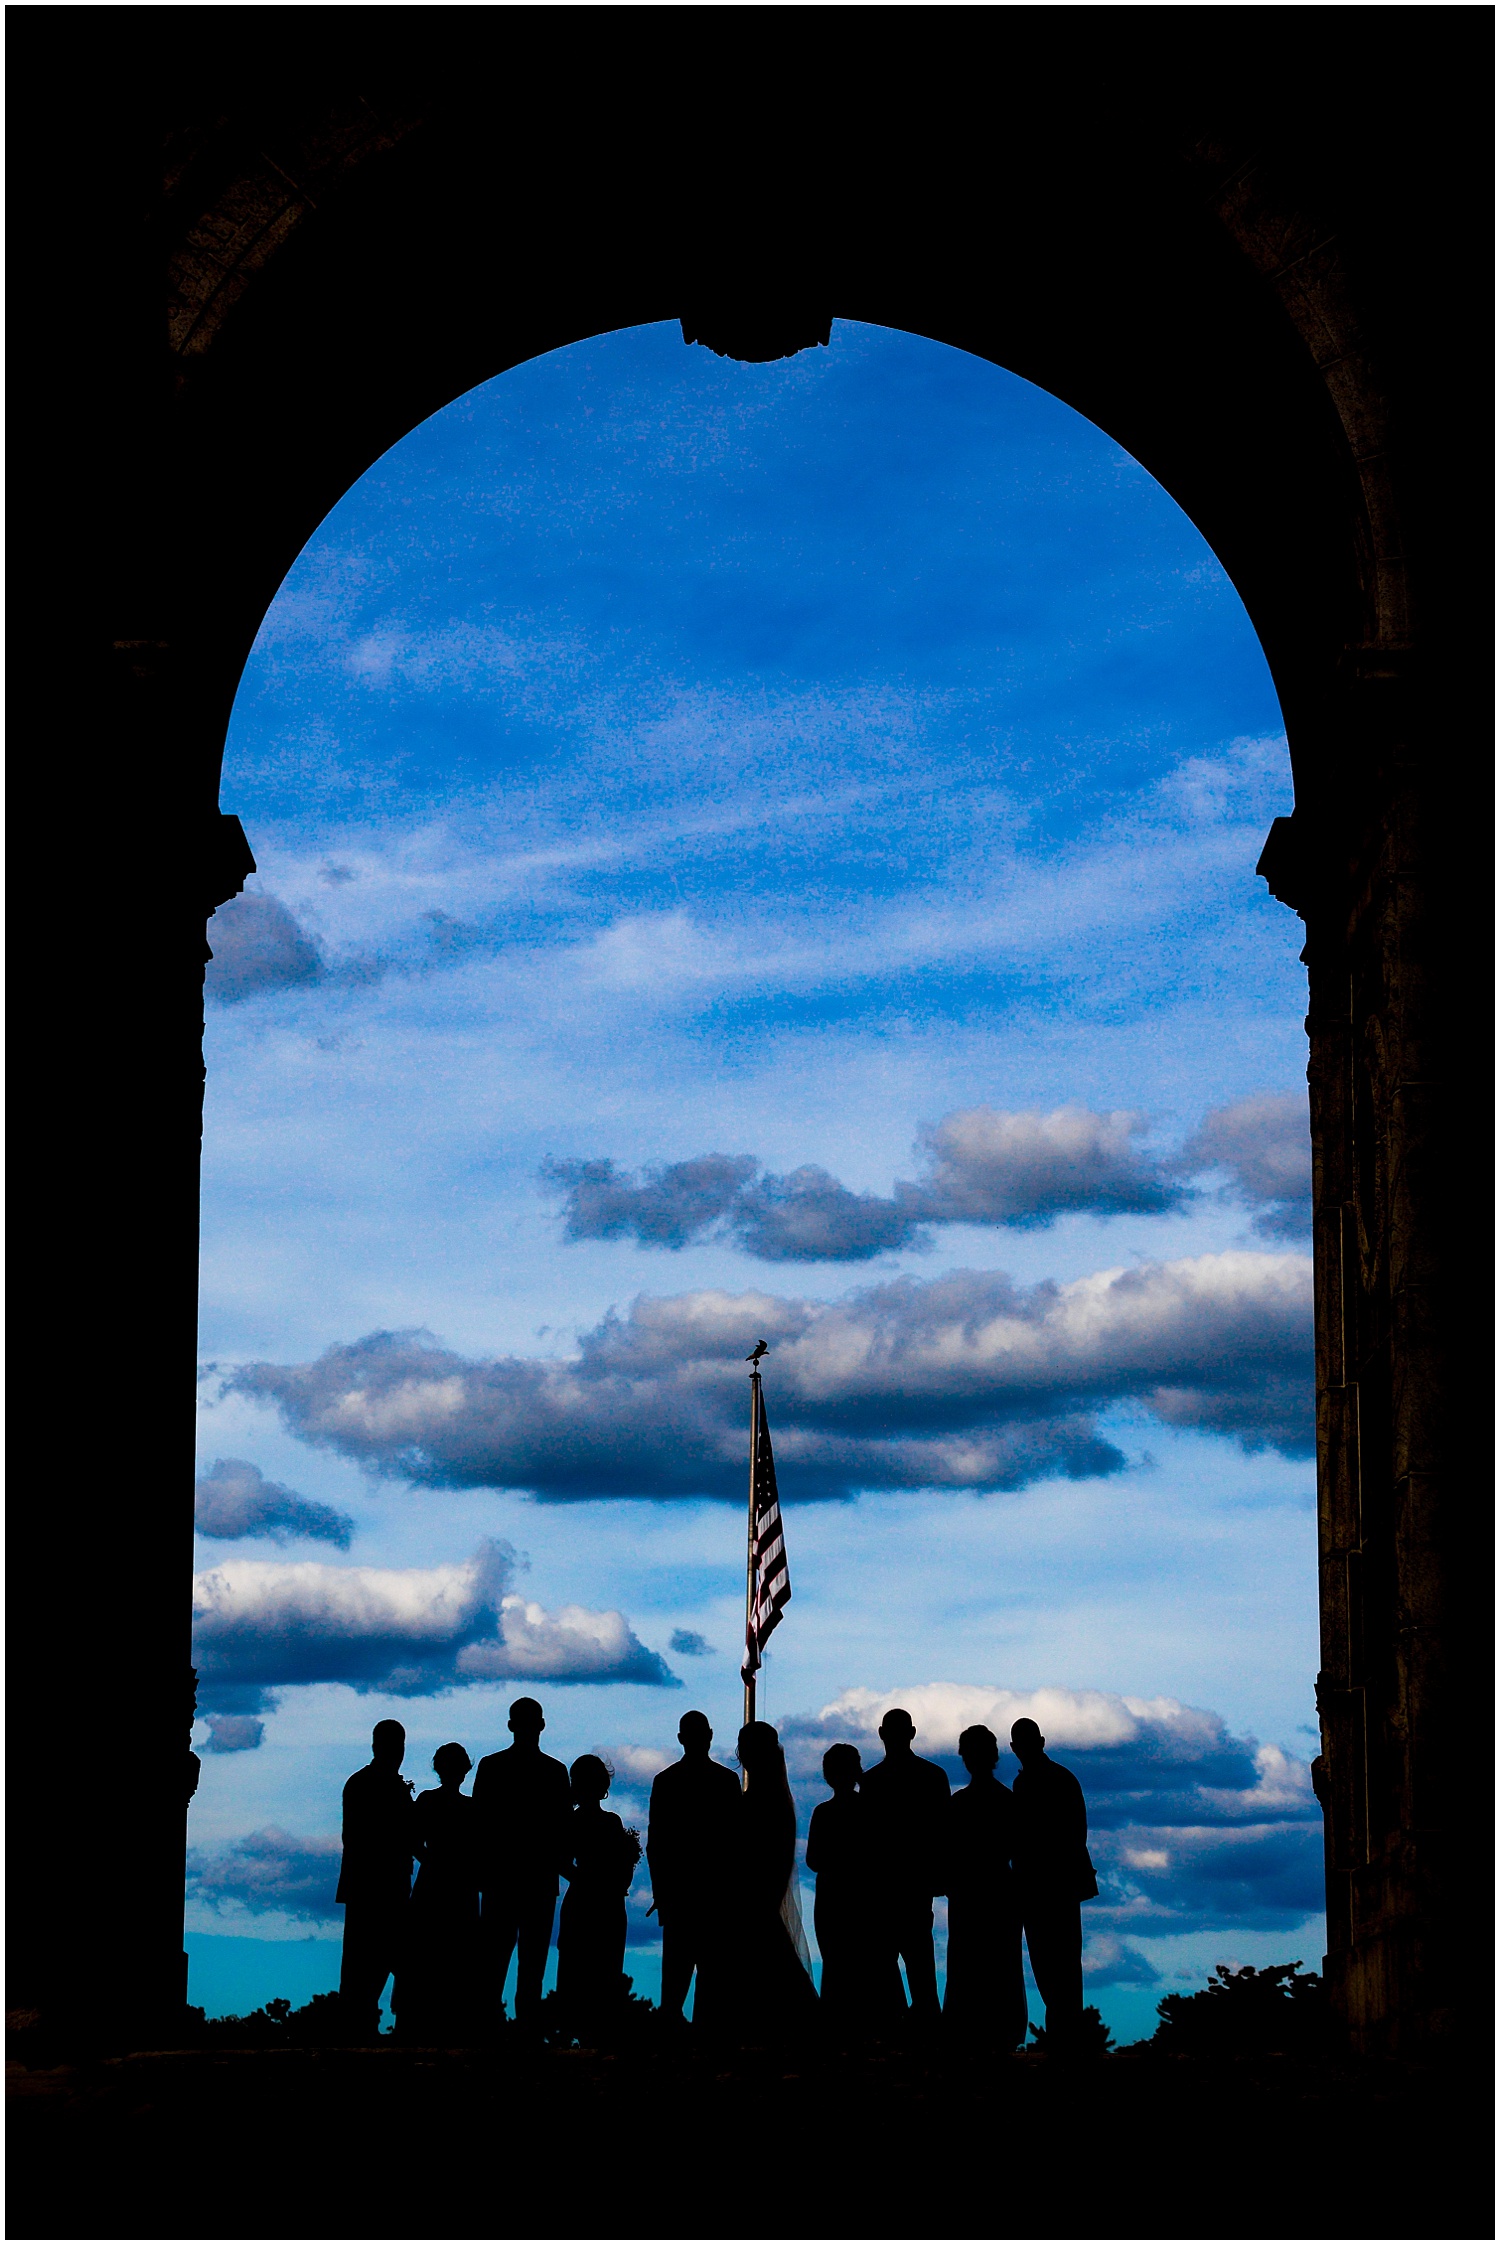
{"type": "Point", "coordinates": [760, 850]}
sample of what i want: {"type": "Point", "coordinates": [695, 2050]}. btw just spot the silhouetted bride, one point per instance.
{"type": "Point", "coordinates": [767, 1987]}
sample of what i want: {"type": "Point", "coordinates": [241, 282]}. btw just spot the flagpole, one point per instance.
{"type": "Point", "coordinates": [748, 1673]}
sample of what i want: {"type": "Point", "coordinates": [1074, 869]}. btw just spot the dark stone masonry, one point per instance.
{"type": "Point", "coordinates": [251, 249]}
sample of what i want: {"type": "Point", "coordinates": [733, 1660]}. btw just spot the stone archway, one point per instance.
{"type": "Point", "coordinates": [1229, 258]}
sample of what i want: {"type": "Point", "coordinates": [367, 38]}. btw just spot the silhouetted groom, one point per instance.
{"type": "Point", "coordinates": [909, 1798]}
{"type": "Point", "coordinates": [524, 1807]}
{"type": "Point", "coordinates": [695, 1814]}
{"type": "Point", "coordinates": [985, 2000]}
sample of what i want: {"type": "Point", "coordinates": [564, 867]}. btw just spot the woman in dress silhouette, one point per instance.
{"type": "Point", "coordinates": [591, 1926]}
{"type": "Point", "coordinates": [434, 1992]}
{"type": "Point", "coordinates": [775, 1988]}
{"type": "Point", "coordinates": [861, 1987]}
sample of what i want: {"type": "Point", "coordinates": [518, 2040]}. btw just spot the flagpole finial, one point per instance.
{"type": "Point", "coordinates": [756, 1353]}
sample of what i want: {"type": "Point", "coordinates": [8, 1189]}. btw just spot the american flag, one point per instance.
{"type": "Point", "coordinates": [773, 1585]}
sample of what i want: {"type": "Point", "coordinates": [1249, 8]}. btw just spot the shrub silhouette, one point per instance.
{"type": "Point", "coordinates": [1247, 2013]}
{"type": "Point", "coordinates": [275, 2026]}
{"type": "Point", "coordinates": [1091, 2040]}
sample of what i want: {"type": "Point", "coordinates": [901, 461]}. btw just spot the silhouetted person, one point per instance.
{"type": "Point", "coordinates": [861, 1986]}
{"type": "Point", "coordinates": [695, 1812]}
{"type": "Point", "coordinates": [760, 1984]}
{"type": "Point", "coordinates": [435, 1998]}
{"type": "Point", "coordinates": [375, 1878]}
{"type": "Point", "coordinates": [1053, 1875]}
{"type": "Point", "coordinates": [910, 1798]}
{"type": "Point", "coordinates": [591, 1923]}
{"type": "Point", "coordinates": [525, 1805]}
{"type": "Point", "coordinates": [985, 1999]}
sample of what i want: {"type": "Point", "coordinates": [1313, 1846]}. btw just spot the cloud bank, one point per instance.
{"type": "Point", "coordinates": [1262, 1144]}
{"type": "Point", "coordinates": [962, 1382]}
{"type": "Point", "coordinates": [1191, 1829]}
{"type": "Point", "coordinates": [257, 945]}
{"type": "Point", "coordinates": [234, 1499]}
{"type": "Point", "coordinates": [259, 1625]}
{"type": "Point", "coordinates": [983, 1166]}
{"type": "Point", "coordinates": [269, 1870]}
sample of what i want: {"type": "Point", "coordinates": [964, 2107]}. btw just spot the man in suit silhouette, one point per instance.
{"type": "Point", "coordinates": [985, 1999]}
{"type": "Point", "coordinates": [523, 1802]}
{"type": "Point", "coordinates": [695, 1808]}
{"type": "Point", "coordinates": [375, 1878]}
{"type": "Point", "coordinates": [910, 1800]}
{"type": "Point", "coordinates": [1053, 1875]}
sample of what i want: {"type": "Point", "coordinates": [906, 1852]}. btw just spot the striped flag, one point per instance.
{"type": "Point", "coordinates": [773, 1586]}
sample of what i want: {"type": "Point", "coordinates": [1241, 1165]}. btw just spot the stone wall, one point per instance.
{"type": "Point", "coordinates": [1256, 266]}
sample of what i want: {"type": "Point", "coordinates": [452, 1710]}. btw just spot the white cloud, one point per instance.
{"type": "Point", "coordinates": [637, 1765]}
{"type": "Point", "coordinates": [260, 1624]}
{"type": "Point", "coordinates": [1087, 1720]}
{"type": "Point", "coordinates": [573, 1645]}
{"type": "Point", "coordinates": [988, 1166]}
{"type": "Point", "coordinates": [653, 952]}
{"type": "Point", "coordinates": [964, 1381]}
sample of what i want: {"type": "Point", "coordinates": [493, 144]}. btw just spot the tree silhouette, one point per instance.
{"type": "Point", "coordinates": [1245, 2013]}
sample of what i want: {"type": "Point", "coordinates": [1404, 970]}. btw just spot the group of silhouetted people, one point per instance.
{"type": "Point", "coordinates": [1012, 1861]}
{"type": "Point", "coordinates": [488, 1868]}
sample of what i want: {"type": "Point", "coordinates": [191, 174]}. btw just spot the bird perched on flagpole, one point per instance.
{"type": "Point", "coordinates": [756, 1353]}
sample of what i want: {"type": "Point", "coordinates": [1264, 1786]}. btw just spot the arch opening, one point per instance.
{"type": "Point", "coordinates": [880, 1172]}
